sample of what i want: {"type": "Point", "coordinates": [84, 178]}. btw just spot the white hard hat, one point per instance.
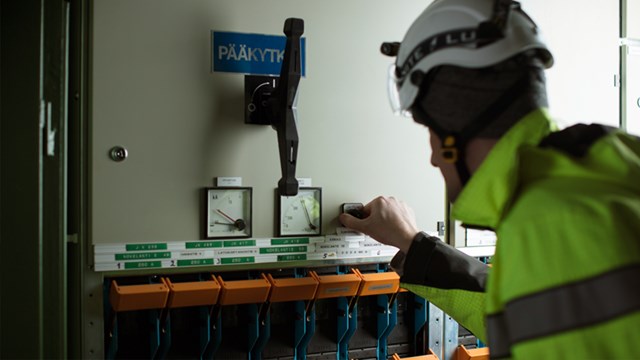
{"type": "Point", "coordinates": [465, 33]}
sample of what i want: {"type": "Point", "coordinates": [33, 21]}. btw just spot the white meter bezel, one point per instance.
{"type": "Point", "coordinates": [301, 214]}
{"type": "Point", "coordinates": [228, 212]}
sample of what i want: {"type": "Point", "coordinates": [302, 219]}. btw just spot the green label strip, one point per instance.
{"type": "Point", "coordinates": [238, 260]}
{"type": "Point", "coordinates": [292, 257]}
{"type": "Point", "coordinates": [195, 262]}
{"type": "Point", "coordinates": [142, 264]}
{"type": "Point", "coordinates": [292, 241]}
{"type": "Point", "coordinates": [143, 256]}
{"type": "Point", "coordinates": [284, 249]}
{"type": "Point", "coordinates": [239, 243]}
{"type": "Point", "coordinates": [146, 247]}
{"type": "Point", "coordinates": [203, 244]}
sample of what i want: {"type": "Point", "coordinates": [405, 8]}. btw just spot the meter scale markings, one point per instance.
{"type": "Point", "coordinates": [301, 214]}
{"type": "Point", "coordinates": [228, 212]}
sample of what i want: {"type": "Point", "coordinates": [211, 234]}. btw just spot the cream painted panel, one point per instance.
{"type": "Point", "coordinates": [153, 93]}
{"type": "Point", "coordinates": [633, 89]}
{"type": "Point", "coordinates": [633, 21]}
{"type": "Point", "coordinates": [583, 37]}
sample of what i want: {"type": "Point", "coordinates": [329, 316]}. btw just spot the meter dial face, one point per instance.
{"type": "Point", "coordinates": [228, 212]}
{"type": "Point", "coordinates": [300, 215]}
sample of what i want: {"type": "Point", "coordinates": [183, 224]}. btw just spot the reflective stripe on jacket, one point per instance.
{"type": "Point", "coordinates": [562, 284]}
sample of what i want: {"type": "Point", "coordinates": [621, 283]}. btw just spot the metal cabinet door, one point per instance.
{"type": "Point", "coordinates": [632, 89]}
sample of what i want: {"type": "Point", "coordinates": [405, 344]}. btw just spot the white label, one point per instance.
{"type": "Point", "coordinates": [331, 238]}
{"type": "Point", "coordinates": [343, 231]}
{"type": "Point", "coordinates": [480, 237]}
{"type": "Point", "coordinates": [322, 255]}
{"type": "Point", "coordinates": [228, 181]}
{"type": "Point", "coordinates": [237, 252]}
{"type": "Point", "coordinates": [304, 182]}
{"type": "Point", "coordinates": [330, 246]}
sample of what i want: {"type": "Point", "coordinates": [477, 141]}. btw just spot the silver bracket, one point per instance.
{"type": "Point", "coordinates": [436, 330]}
{"type": "Point", "coordinates": [450, 337]}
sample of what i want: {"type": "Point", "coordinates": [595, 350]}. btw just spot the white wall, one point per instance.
{"type": "Point", "coordinates": [583, 37]}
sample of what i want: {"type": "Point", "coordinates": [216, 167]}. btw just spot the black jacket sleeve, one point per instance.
{"type": "Point", "coordinates": [433, 263]}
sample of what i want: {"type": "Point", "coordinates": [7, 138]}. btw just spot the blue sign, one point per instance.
{"type": "Point", "coordinates": [255, 54]}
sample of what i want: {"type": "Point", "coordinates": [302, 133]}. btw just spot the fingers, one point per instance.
{"type": "Point", "coordinates": [350, 221]}
{"type": "Point", "coordinates": [345, 219]}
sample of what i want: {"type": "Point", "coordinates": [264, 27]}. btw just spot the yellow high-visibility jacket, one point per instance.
{"type": "Point", "coordinates": [565, 281]}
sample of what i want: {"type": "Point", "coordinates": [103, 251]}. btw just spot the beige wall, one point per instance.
{"type": "Point", "coordinates": [182, 125]}
{"type": "Point", "coordinates": [153, 92]}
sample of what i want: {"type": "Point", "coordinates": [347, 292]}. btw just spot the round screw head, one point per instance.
{"type": "Point", "coordinates": [118, 153]}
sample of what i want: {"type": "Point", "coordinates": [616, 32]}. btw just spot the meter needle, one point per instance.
{"type": "Point", "coordinates": [225, 215]}
{"type": "Point", "coordinates": [224, 223]}
{"type": "Point", "coordinates": [306, 212]}
{"type": "Point", "coordinates": [240, 224]}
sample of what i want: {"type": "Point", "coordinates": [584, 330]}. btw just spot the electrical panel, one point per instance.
{"type": "Point", "coordinates": [200, 254]}
{"type": "Point", "coordinates": [196, 251]}
{"type": "Point", "coordinates": [165, 124]}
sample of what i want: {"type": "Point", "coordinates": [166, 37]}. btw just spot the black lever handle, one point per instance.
{"type": "Point", "coordinates": [282, 104]}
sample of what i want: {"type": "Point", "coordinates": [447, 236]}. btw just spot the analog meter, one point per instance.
{"type": "Point", "coordinates": [228, 212]}
{"type": "Point", "coordinates": [300, 215]}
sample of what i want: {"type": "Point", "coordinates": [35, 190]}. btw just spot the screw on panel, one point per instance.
{"type": "Point", "coordinates": [118, 153]}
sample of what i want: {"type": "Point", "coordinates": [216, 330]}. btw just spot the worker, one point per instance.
{"type": "Point", "coordinates": [565, 205]}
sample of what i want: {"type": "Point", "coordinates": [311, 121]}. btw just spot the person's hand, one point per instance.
{"type": "Point", "coordinates": [387, 220]}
